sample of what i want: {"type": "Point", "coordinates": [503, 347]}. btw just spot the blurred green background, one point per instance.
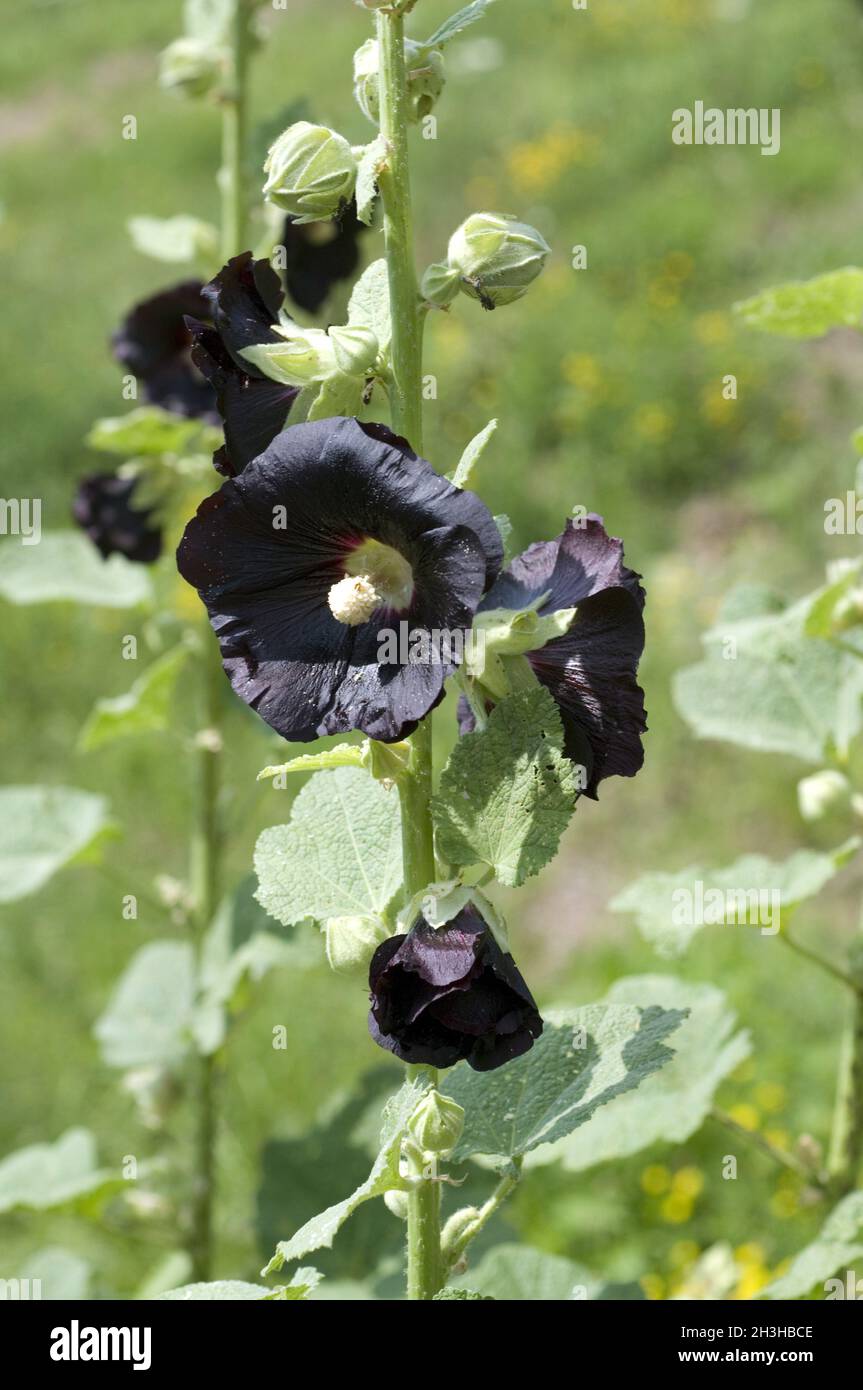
{"type": "Point", "coordinates": [607, 384]}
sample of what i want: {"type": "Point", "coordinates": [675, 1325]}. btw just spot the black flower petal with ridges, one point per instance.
{"type": "Point", "coordinates": [318, 255]}
{"type": "Point", "coordinates": [591, 669]}
{"type": "Point", "coordinates": [325, 503]}
{"type": "Point", "coordinates": [449, 994]}
{"type": "Point", "coordinates": [243, 301]}
{"type": "Point", "coordinates": [154, 343]}
{"type": "Point", "coordinates": [103, 508]}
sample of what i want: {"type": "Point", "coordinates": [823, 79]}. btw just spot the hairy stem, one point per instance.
{"type": "Point", "coordinates": [505, 1188]}
{"type": "Point", "coordinates": [206, 842]}
{"type": "Point", "coordinates": [425, 1267]}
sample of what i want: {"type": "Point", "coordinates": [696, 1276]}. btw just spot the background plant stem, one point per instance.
{"type": "Point", "coordinates": [425, 1267]}
{"type": "Point", "coordinates": [206, 843]}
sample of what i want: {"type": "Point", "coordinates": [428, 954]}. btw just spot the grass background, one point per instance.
{"type": "Point", "coordinates": [607, 384]}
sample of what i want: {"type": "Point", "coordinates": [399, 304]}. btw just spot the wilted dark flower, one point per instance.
{"type": "Point", "coordinates": [243, 302]}
{"type": "Point", "coordinates": [318, 255]}
{"type": "Point", "coordinates": [316, 555]}
{"type": "Point", "coordinates": [446, 994]}
{"type": "Point", "coordinates": [590, 670]}
{"type": "Point", "coordinates": [103, 508]}
{"type": "Point", "coordinates": [154, 343]}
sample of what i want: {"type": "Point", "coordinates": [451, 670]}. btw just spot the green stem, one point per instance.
{"type": "Point", "coordinates": [846, 1149]}
{"type": "Point", "coordinates": [425, 1264]}
{"type": "Point", "coordinates": [207, 837]}
{"type": "Point", "coordinates": [821, 961]}
{"type": "Point", "coordinates": [505, 1188]}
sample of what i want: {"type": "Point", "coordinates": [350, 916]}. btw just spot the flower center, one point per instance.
{"type": "Point", "coordinates": [376, 576]}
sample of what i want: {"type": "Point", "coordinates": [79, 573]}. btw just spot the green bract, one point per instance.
{"type": "Point", "coordinates": [311, 173]}
{"type": "Point", "coordinates": [425, 74]}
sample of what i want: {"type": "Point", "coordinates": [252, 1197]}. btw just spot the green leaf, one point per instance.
{"type": "Point", "coordinates": [41, 830]}
{"type": "Point", "coordinates": [472, 455]}
{"type": "Point", "coordinates": [177, 240]}
{"type": "Point", "coordinates": [145, 709]}
{"type": "Point", "coordinates": [236, 1290]}
{"type": "Point", "coordinates": [820, 616]}
{"type": "Point", "coordinates": [147, 430]}
{"type": "Point", "coordinates": [370, 303]}
{"type": "Point", "coordinates": [460, 1296]}
{"type": "Point", "coordinates": [371, 163]}
{"type": "Point", "coordinates": [584, 1059]}
{"type": "Point", "coordinates": [507, 793]}
{"type": "Point", "coordinates": [340, 854]}
{"type": "Point", "coordinates": [458, 22]}
{"type": "Point", "coordinates": [837, 1249]}
{"type": "Point", "coordinates": [150, 1013]}
{"type": "Point", "coordinates": [671, 1105]}
{"type": "Point", "coordinates": [808, 308]}
{"type": "Point", "coordinates": [169, 1272]}
{"type": "Point", "coordinates": [321, 1231]}
{"type": "Point", "coordinates": [242, 945]}
{"type": "Point", "coordinates": [340, 395]}
{"type": "Point", "coordinates": [764, 684]}
{"type": "Point", "coordinates": [65, 565]}
{"type": "Point", "coordinates": [670, 909]}
{"type": "Point", "coordinates": [45, 1177]}
{"type": "Point", "coordinates": [62, 1275]}
{"type": "Point", "coordinates": [513, 1272]}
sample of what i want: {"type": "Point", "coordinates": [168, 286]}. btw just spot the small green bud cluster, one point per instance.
{"type": "Point", "coordinates": [492, 257]}
{"type": "Point", "coordinates": [311, 173]}
{"type": "Point", "coordinates": [191, 67]}
{"type": "Point", "coordinates": [425, 74]}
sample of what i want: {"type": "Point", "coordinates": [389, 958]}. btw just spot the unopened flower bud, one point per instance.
{"type": "Point", "coordinates": [311, 173]}
{"type": "Point", "coordinates": [352, 941]}
{"type": "Point", "coordinates": [397, 1203]}
{"type": "Point", "coordinates": [437, 1123]}
{"type": "Point", "coordinates": [190, 67]}
{"type": "Point", "coordinates": [425, 78]}
{"type": "Point", "coordinates": [497, 257]}
{"type": "Point", "coordinates": [822, 792]}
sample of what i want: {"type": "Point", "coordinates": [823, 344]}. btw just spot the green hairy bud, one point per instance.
{"type": "Point", "coordinates": [352, 941]}
{"type": "Point", "coordinates": [425, 73]}
{"type": "Point", "coordinates": [191, 67]}
{"type": "Point", "coordinates": [311, 172]}
{"type": "Point", "coordinates": [437, 1123]}
{"type": "Point", "coordinates": [497, 257]}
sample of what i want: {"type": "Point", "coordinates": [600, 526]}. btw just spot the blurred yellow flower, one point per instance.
{"type": "Point", "coordinates": [682, 1253]}
{"type": "Point", "coordinates": [747, 1116]}
{"type": "Point", "coordinates": [535, 165]}
{"type": "Point", "coordinates": [653, 422]}
{"type": "Point", "coordinates": [678, 265]}
{"type": "Point", "coordinates": [784, 1204]}
{"type": "Point", "coordinates": [752, 1281]}
{"type": "Point", "coordinates": [750, 1254]}
{"type": "Point", "coordinates": [581, 370]}
{"type": "Point", "coordinates": [654, 1286]}
{"type": "Point", "coordinates": [655, 1180]}
{"type": "Point", "coordinates": [688, 1182]}
{"type": "Point", "coordinates": [778, 1137]}
{"type": "Point", "coordinates": [770, 1096]}
{"type": "Point", "coordinates": [663, 294]}
{"type": "Point", "coordinates": [676, 1208]}
{"type": "Point", "coordinates": [712, 328]}
{"type": "Point", "coordinates": [715, 408]}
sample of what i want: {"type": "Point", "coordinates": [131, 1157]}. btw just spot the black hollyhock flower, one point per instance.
{"type": "Point", "coordinates": [103, 508]}
{"type": "Point", "coordinates": [314, 562]}
{"type": "Point", "coordinates": [154, 343]}
{"type": "Point", "coordinates": [318, 255]}
{"type": "Point", "coordinates": [243, 302]}
{"type": "Point", "coordinates": [590, 670]}
{"type": "Point", "coordinates": [446, 994]}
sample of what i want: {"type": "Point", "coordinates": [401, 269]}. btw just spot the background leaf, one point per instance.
{"type": "Point", "coordinates": [41, 830]}
{"type": "Point", "coordinates": [144, 709]}
{"type": "Point", "coordinates": [838, 1247]}
{"type": "Point", "coordinates": [150, 1013]}
{"type": "Point", "coordinates": [65, 565]}
{"type": "Point", "coordinates": [808, 308]}
{"type": "Point", "coordinates": [45, 1177]}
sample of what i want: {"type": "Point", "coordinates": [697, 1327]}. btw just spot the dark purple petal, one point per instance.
{"type": "Point", "coordinates": [154, 344]}
{"type": "Point", "coordinates": [337, 483]}
{"type": "Point", "coordinates": [243, 301]}
{"type": "Point", "coordinates": [441, 995]}
{"type": "Point", "coordinates": [253, 408]}
{"type": "Point", "coordinates": [318, 255]}
{"type": "Point", "coordinates": [103, 508]}
{"type": "Point", "coordinates": [591, 669]}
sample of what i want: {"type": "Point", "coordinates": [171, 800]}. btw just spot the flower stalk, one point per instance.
{"type": "Point", "coordinates": [206, 841]}
{"type": "Point", "coordinates": [424, 1260]}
